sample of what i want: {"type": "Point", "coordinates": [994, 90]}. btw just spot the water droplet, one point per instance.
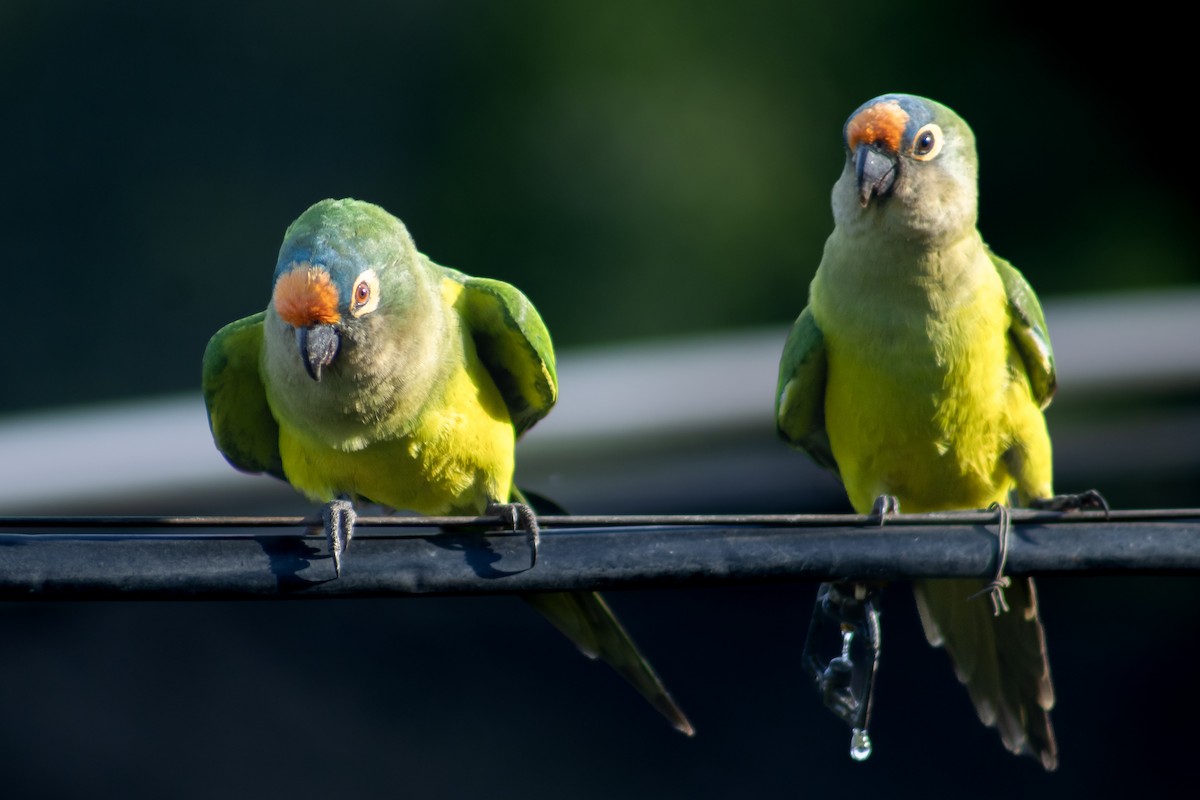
{"type": "Point", "coordinates": [860, 745]}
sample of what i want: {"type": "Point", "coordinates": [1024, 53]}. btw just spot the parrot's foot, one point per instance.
{"type": "Point", "coordinates": [1071, 502]}
{"type": "Point", "coordinates": [885, 506]}
{"type": "Point", "coordinates": [995, 588]}
{"type": "Point", "coordinates": [339, 520]}
{"type": "Point", "coordinates": [521, 517]}
{"type": "Point", "coordinates": [841, 655]}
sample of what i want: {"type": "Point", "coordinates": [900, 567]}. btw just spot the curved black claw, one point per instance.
{"type": "Point", "coordinates": [1072, 502]}
{"type": "Point", "coordinates": [885, 506]}
{"type": "Point", "coordinates": [521, 517]}
{"type": "Point", "coordinates": [339, 520]}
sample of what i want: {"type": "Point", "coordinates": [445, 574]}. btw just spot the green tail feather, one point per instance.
{"type": "Point", "coordinates": [585, 619]}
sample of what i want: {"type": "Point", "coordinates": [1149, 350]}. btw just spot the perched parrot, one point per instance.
{"type": "Point", "coordinates": [918, 373]}
{"type": "Point", "coordinates": [375, 375]}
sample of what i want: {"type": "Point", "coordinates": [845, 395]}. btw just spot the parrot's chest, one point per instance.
{"type": "Point", "coordinates": [915, 395]}
{"type": "Point", "coordinates": [455, 456]}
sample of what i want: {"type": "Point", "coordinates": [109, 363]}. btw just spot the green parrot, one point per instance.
{"type": "Point", "coordinates": [918, 373]}
{"type": "Point", "coordinates": [375, 375]}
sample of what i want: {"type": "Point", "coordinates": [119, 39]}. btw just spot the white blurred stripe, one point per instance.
{"type": "Point", "coordinates": [705, 383]}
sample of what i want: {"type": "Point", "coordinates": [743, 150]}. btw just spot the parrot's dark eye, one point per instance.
{"type": "Point", "coordinates": [927, 143]}
{"type": "Point", "coordinates": [366, 294]}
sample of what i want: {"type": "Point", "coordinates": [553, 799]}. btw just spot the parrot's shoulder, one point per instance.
{"type": "Point", "coordinates": [800, 391]}
{"type": "Point", "coordinates": [513, 343]}
{"type": "Point", "coordinates": [1028, 330]}
{"type": "Point", "coordinates": [242, 425]}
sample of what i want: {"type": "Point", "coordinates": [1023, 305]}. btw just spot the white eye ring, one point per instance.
{"type": "Point", "coordinates": [927, 143]}
{"type": "Point", "coordinates": [365, 294]}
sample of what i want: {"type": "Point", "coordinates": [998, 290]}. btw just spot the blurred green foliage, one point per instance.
{"type": "Point", "coordinates": [638, 169]}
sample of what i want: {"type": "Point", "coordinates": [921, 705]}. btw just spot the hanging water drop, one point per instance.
{"type": "Point", "coordinates": [860, 745]}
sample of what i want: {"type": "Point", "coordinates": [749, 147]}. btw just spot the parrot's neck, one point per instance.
{"type": "Point", "coordinates": [933, 217]}
{"type": "Point", "coordinates": [884, 292]}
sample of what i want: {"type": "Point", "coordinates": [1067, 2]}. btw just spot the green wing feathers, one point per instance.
{"type": "Point", "coordinates": [241, 422]}
{"type": "Point", "coordinates": [514, 345]}
{"type": "Point", "coordinates": [800, 392]}
{"type": "Point", "coordinates": [1028, 331]}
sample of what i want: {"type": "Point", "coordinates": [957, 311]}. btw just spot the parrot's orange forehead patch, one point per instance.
{"type": "Point", "coordinates": [882, 123]}
{"type": "Point", "coordinates": [306, 296]}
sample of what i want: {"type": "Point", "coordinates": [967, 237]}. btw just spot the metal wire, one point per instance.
{"type": "Point", "coordinates": [1017, 515]}
{"type": "Point", "coordinates": [253, 557]}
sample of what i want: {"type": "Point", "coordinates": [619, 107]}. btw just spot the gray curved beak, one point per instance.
{"type": "Point", "coordinates": [875, 172]}
{"type": "Point", "coordinates": [318, 347]}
